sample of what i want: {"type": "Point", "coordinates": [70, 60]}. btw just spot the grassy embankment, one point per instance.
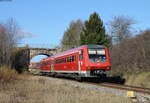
{"type": "Point", "coordinates": [141, 79]}
{"type": "Point", "coordinates": [32, 89]}
{"type": "Point", "coordinates": [133, 77]}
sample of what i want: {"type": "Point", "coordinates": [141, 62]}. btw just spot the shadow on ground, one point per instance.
{"type": "Point", "coordinates": [108, 79]}
{"type": "Point", "coordinates": [114, 79]}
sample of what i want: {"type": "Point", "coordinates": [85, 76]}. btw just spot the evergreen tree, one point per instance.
{"type": "Point", "coordinates": [94, 31]}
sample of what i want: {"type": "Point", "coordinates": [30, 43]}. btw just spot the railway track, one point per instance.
{"type": "Point", "coordinates": [116, 86]}
{"type": "Point", "coordinates": [120, 87]}
{"type": "Point", "coordinates": [140, 95]}
{"type": "Point", "coordinates": [124, 87]}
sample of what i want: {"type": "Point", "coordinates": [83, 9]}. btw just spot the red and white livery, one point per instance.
{"type": "Point", "coordinates": [84, 61]}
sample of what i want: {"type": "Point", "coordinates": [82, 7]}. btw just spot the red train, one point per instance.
{"type": "Point", "coordinates": [81, 62]}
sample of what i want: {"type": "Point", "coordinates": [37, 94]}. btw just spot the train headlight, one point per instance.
{"type": "Point", "coordinates": [88, 68]}
{"type": "Point", "coordinates": [108, 68]}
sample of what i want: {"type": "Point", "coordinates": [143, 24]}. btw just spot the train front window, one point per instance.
{"type": "Point", "coordinates": [97, 55]}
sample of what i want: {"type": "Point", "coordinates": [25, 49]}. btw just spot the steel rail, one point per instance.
{"type": "Point", "coordinates": [116, 86]}
{"type": "Point", "coordinates": [124, 87]}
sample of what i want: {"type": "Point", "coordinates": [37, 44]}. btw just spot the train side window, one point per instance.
{"type": "Point", "coordinates": [55, 61]}
{"type": "Point", "coordinates": [72, 58]}
{"type": "Point", "coordinates": [67, 59]}
{"type": "Point", "coordinates": [59, 61]}
{"type": "Point", "coordinates": [75, 58]}
{"type": "Point", "coordinates": [62, 60]}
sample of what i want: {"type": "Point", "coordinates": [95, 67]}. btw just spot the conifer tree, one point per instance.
{"type": "Point", "coordinates": [94, 31]}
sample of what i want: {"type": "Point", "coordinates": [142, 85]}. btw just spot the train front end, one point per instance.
{"type": "Point", "coordinates": [97, 61]}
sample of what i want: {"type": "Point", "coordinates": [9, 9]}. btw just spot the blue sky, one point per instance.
{"type": "Point", "coordinates": [48, 19]}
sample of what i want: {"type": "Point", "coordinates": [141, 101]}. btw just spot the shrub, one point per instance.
{"type": "Point", "coordinates": [7, 75]}
{"type": "Point", "coordinates": [131, 55]}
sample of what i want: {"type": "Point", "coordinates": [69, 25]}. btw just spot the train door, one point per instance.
{"type": "Point", "coordinates": [80, 61]}
{"type": "Point", "coordinates": [74, 63]}
{"type": "Point", "coordinates": [52, 65]}
{"type": "Point", "coordinates": [79, 65]}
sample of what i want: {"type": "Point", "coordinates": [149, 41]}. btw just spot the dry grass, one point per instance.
{"type": "Point", "coordinates": [16, 88]}
{"type": "Point", "coordinates": [41, 90]}
{"type": "Point", "coordinates": [7, 75]}
{"type": "Point", "coordinates": [140, 79]}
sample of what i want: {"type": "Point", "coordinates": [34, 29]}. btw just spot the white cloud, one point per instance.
{"type": "Point", "coordinates": [26, 34]}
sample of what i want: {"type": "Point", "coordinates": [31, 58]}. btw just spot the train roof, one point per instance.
{"type": "Point", "coordinates": [77, 49]}
{"type": "Point", "coordinates": [95, 46]}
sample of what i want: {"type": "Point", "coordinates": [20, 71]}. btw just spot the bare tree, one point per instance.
{"type": "Point", "coordinates": [121, 28]}
{"type": "Point", "coordinates": [132, 55]}
{"type": "Point", "coordinates": [8, 39]}
{"type": "Point", "coordinates": [71, 37]}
